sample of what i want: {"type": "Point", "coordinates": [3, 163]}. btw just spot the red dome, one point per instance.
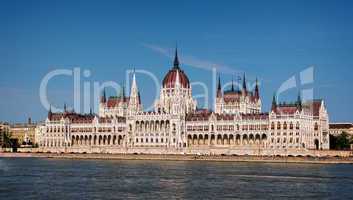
{"type": "Point", "coordinates": [170, 79]}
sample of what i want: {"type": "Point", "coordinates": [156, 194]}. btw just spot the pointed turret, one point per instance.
{"type": "Point", "coordinates": [256, 92]}
{"type": "Point", "coordinates": [232, 89]}
{"type": "Point", "coordinates": [134, 101]}
{"type": "Point", "coordinates": [103, 97]}
{"type": "Point", "coordinates": [49, 112]}
{"type": "Point", "coordinates": [299, 102]}
{"type": "Point", "coordinates": [219, 89]}
{"type": "Point", "coordinates": [134, 89]}
{"type": "Point", "coordinates": [123, 93]}
{"type": "Point", "coordinates": [176, 59]}
{"type": "Point", "coordinates": [139, 97]}
{"type": "Point", "coordinates": [244, 83]}
{"type": "Point", "coordinates": [274, 103]}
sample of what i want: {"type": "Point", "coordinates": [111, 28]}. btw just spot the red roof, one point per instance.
{"type": "Point", "coordinates": [225, 116]}
{"type": "Point", "coordinates": [312, 107]}
{"type": "Point", "coordinates": [309, 108]}
{"type": "Point", "coordinates": [341, 126]}
{"type": "Point", "coordinates": [234, 96]}
{"type": "Point", "coordinates": [170, 79]}
{"type": "Point", "coordinates": [72, 116]}
{"type": "Point", "coordinates": [115, 101]}
{"type": "Point", "coordinates": [255, 116]}
{"type": "Point", "coordinates": [81, 118]}
{"type": "Point", "coordinates": [286, 109]}
{"type": "Point", "coordinates": [199, 115]}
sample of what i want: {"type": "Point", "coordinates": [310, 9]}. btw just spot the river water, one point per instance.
{"type": "Point", "coordinates": [38, 178]}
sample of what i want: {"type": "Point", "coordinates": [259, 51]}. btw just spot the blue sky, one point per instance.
{"type": "Point", "coordinates": [271, 40]}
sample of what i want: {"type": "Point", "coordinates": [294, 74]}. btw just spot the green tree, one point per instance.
{"type": "Point", "coordinates": [7, 141]}
{"type": "Point", "coordinates": [343, 141]}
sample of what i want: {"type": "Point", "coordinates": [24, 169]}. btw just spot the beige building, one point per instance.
{"type": "Point", "coordinates": [177, 126]}
{"type": "Point", "coordinates": [4, 130]}
{"type": "Point", "coordinates": [24, 133]}
{"type": "Point", "coordinates": [337, 128]}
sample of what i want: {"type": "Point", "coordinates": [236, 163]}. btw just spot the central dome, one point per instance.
{"type": "Point", "coordinates": [169, 80]}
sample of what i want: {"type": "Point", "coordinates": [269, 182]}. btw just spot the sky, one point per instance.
{"type": "Point", "coordinates": [269, 40]}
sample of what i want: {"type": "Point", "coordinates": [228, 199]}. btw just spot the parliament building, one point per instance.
{"type": "Point", "coordinates": [236, 126]}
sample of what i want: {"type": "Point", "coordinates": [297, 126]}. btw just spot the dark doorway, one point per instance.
{"type": "Point", "coordinates": [316, 141]}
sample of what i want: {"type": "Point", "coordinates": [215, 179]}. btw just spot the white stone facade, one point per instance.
{"type": "Point", "coordinates": [176, 125]}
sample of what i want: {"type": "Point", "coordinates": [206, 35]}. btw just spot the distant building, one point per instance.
{"type": "Point", "coordinates": [237, 126]}
{"type": "Point", "coordinates": [4, 130]}
{"type": "Point", "coordinates": [24, 133]}
{"type": "Point", "coordinates": [338, 128]}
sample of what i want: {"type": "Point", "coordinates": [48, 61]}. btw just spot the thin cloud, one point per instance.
{"type": "Point", "coordinates": [193, 61]}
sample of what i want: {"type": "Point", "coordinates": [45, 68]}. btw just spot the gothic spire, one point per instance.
{"type": "Point", "coordinates": [64, 107]}
{"type": "Point", "coordinates": [257, 94]}
{"type": "Point", "coordinates": [274, 102]}
{"type": "Point", "coordinates": [299, 101]}
{"type": "Point", "coordinates": [103, 98]}
{"type": "Point", "coordinates": [123, 93]}
{"type": "Point", "coordinates": [232, 85]}
{"type": "Point", "coordinates": [244, 83]}
{"type": "Point", "coordinates": [176, 59]}
{"type": "Point", "coordinates": [134, 88]}
{"type": "Point", "coordinates": [49, 112]}
{"type": "Point", "coordinates": [139, 97]}
{"type": "Point", "coordinates": [219, 89]}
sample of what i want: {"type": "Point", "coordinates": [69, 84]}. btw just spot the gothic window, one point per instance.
{"type": "Point", "coordinates": [316, 127]}
{"type": "Point", "coordinates": [291, 126]}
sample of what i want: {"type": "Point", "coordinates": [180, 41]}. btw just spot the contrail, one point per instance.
{"type": "Point", "coordinates": [193, 61]}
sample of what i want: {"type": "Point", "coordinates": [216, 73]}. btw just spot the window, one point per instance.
{"type": "Point", "coordinates": [316, 127]}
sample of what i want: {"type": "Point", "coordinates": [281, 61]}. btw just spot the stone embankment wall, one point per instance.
{"type": "Point", "coordinates": [193, 151]}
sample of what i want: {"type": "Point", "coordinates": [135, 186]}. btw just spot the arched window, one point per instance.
{"type": "Point", "coordinates": [291, 126]}
{"type": "Point", "coordinates": [278, 125]}
{"type": "Point", "coordinates": [316, 126]}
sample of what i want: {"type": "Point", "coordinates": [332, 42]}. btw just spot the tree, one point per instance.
{"type": "Point", "coordinates": [342, 141]}
{"type": "Point", "coordinates": [7, 141]}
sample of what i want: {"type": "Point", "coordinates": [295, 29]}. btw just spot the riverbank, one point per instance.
{"type": "Point", "coordinates": [264, 159]}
